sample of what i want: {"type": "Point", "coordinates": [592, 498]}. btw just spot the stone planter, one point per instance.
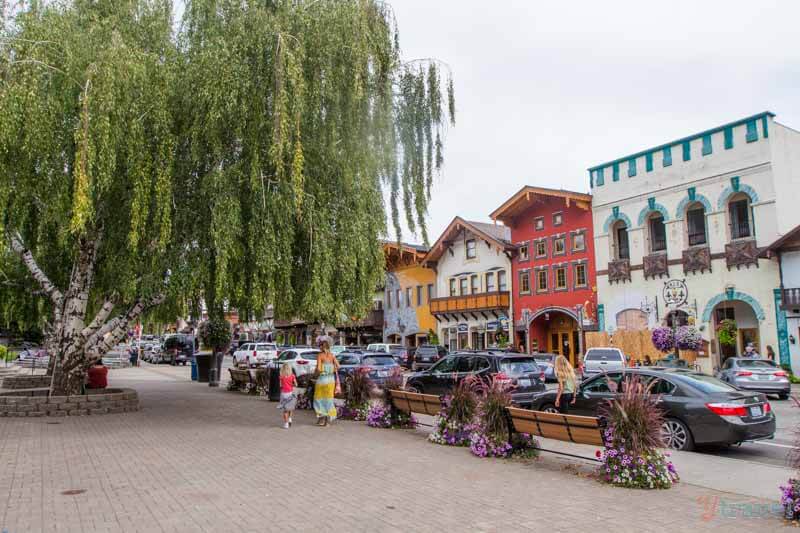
{"type": "Point", "coordinates": [94, 402]}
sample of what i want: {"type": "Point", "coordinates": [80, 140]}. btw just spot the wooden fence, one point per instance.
{"type": "Point", "coordinates": [633, 343]}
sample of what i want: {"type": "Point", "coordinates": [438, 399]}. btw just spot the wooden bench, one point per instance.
{"type": "Point", "coordinates": [414, 402]}
{"type": "Point", "coordinates": [243, 380]}
{"type": "Point", "coordinates": [568, 428]}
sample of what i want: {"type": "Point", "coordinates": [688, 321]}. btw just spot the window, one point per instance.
{"type": "Point", "coordinates": [501, 280]}
{"type": "Point", "coordinates": [707, 144]}
{"type": "Point", "coordinates": [579, 242]}
{"type": "Point", "coordinates": [580, 275]}
{"type": "Point", "coordinates": [667, 161]}
{"type": "Point", "coordinates": [445, 366]}
{"type": "Point", "coordinates": [541, 248]}
{"type": "Point", "coordinates": [475, 284]}
{"type": "Point", "coordinates": [648, 161]}
{"type": "Point", "coordinates": [397, 301]}
{"type": "Point", "coordinates": [471, 249]}
{"type": "Point", "coordinates": [658, 233]}
{"type": "Point", "coordinates": [523, 252]}
{"type": "Point", "coordinates": [615, 172]}
{"type": "Point", "coordinates": [600, 179]}
{"type": "Point", "coordinates": [408, 297]}
{"type": "Point", "coordinates": [559, 246]}
{"type": "Point", "coordinates": [524, 282]}
{"type": "Point", "coordinates": [728, 138]}
{"type": "Point", "coordinates": [558, 219]}
{"type": "Point", "coordinates": [631, 168]}
{"type": "Point", "coordinates": [752, 131]}
{"type": "Point", "coordinates": [621, 248]}
{"type": "Point", "coordinates": [541, 281]}
{"type": "Point", "coordinates": [696, 225]}
{"type": "Point", "coordinates": [463, 283]}
{"type": "Point", "coordinates": [687, 151]}
{"type": "Point", "coordinates": [490, 282]}
{"type": "Point", "coordinates": [430, 292]}
{"type": "Point", "coordinates": [419, 295]}
{"type": "Point", "coordinates": [452, 287]}
{"type": "Point", "coordinates": [561, 278]}
{"type": "Point", "coordinates": [388, 299]}
{"type": "Point", "coordinates": [739, 211]}
{"type": "Point", "coordinates": [538, 222]}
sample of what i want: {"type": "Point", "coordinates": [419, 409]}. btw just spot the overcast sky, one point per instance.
{"type": "Point", "coordinates": [545, 90]}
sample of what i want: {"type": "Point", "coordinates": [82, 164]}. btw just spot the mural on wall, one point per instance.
{"type": "Point", "coordinates": [400, 320]}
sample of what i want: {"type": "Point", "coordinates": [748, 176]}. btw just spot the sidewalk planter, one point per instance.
{"type": "Point", "coordinates": [648, 470]}
{"type": "Point", "coordinates": [94, 402]}
{"type": "Point", "coordinates": [790, 499]}
{"type": "Point", "coordinates": [358, 413]}
{"type": "Point", "coordinates": [382, 416]}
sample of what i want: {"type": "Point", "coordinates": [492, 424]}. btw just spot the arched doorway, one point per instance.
{"type": "Point", "coordinates": [739, 315]}
{"type": "Point", "coordinates": [556, 330]}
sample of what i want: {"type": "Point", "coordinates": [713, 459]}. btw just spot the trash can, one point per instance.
{"type": "Point", "coordinates": [274, 383]}
{"type": "Point", "coordinates": [194, 369]}
{"type": "Point", "coordinates": [203, 363]}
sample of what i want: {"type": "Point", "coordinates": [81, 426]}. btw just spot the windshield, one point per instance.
{"type": "Point", "coordinates": [309, 355]}
{"type": "Point", "coordinates": [395, 346]}
{"type": "Point", "coordinates": [706, 383]}
{"type": "Point", "coordinates": [518, 366]}
{"type": "Point", "coordinates": [378, 361]}
{"type": "Point", "coordinates": [543, 358]}
{"type": "Point", "coordinates": [755, 363]}
{"type": "Point", "coordinates": [262, 347]}
{"type": "Point", "coordinates": [603, 355]}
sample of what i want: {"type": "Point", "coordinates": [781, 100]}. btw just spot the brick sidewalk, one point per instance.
{"type": "Point", "coordinates": [200, 459]}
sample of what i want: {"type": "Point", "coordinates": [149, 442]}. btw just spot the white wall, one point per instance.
{"type": "Point", "coordinates": [786, 168]}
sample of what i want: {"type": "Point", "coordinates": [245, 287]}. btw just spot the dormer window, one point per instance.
{"type": "Point", "coordinates": [472, 249]}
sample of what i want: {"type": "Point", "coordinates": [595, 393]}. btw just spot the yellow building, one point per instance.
{"type": "Point", "coordinates": [409, 289]}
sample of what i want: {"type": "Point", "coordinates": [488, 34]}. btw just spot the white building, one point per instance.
{"type": "Point", "coordinates": [679, 229]}
{"type": "Point", "coordinates": [786, 250]}
{"type": "Point", "coordinates": [472, 261]}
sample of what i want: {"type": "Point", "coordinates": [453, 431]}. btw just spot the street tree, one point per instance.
{"type": "Point", "coordinates": [240, 159]}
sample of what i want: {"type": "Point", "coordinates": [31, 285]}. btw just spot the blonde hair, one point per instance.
{"type": "Point", "coordinates": [286, 369]}
{"type": "Point", "coordinates": [564, 370]}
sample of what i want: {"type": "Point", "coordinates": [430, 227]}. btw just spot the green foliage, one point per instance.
{"type": "Point", "coordinates": [433, 338]}
{"type": "Point", "coordinates": [6, 354]}
{"type": "Point", "coordinates": [726, 332]}
{"type": "Point", "coordinates": [215, 333]}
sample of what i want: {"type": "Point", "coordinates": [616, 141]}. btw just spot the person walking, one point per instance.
{"type": "Point", "coordinates": [567, 383]}
{"type": "Point", "coordinates": [327, 384]}
{"type": "Point", "coordinates": [288, 400]}
{"type": "Point", "coordinates": [771, 354]}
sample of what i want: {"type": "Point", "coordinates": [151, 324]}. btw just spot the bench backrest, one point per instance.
{"type": "Point", "coordinates": [239, 376]}
{"type": "Point", "coordinates": [570, 428]}
{"type": "Point", "coordinates": [414, 402]}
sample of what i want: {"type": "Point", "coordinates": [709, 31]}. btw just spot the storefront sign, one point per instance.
{"type": "Point", "coordinates": [463, 328]}
{"type": "Point", "coordinates": [675, 292]}
{"type": "Point", "coordinates": [504, 324]}
{"type": "Point", "coordinates": [492, 326]}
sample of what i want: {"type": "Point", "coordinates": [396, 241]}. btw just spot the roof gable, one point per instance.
{"type": "Point", "coordinates": [497, 236]}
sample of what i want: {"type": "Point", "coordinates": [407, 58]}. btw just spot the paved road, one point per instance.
{"type": "Point", "coordinates": [202, 459]}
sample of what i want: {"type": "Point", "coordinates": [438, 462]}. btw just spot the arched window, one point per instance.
{"type": "Point", "coordinates": [657, 232]}
{"type": "Point", "coordinates": [740, 216]}
{"type": "Point", "coordinates": [620, 240]}
{"type": "Point", "coordinates": [696, 224]}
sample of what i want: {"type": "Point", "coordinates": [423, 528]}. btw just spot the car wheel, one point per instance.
{"type": "Point", "coordinates": [783, 396]}
{"type": "Point", "coordinates": [550, 408]}
{"type": "Point", "coordinates": [676, 435]}
{"type": "Point", "coordinates": [414, 387]}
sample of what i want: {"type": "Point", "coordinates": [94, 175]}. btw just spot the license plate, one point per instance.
{"type": "Point", "coordinates": [524, 382]}
{"type": "Point", "coordinates": [756, 411]}
{"type": "Point", "coordinates": [382, 374]}
{"type": "Point", "coordinates": [763, 377]}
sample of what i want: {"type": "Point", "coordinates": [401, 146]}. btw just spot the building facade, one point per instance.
{"type": "Point", "coordinates": [679, 228]}
{"type": "Point", "coordinates": [553, 271]}
{"type": "Point", "coordinates": [410, 285]}
{"type": "Point", "coordinates": [472, 262]}
{"type": "Point", "coordinates": [786, 252]}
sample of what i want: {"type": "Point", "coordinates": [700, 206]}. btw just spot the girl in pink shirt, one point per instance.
{"type": "Point", "coordinates": [288, 400]}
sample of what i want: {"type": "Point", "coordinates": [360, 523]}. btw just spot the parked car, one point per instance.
{"type": "Point", "coordinates": [599, 360]}
{"type": "Point", "coordinates": [546, 362]}
{"type": "Point", "coordinates": [179, 351]}
{"type": "Point", "coordinates": [522, 370]}
{"type": "Point", "coordinates": [253, 354]}
{"type": "Point", "coordinates": [378, 365]}
{"type": "Point", "coordinates": [426, 355]}
{"type": "Point", "coordinates": [698, 408]}
{"type": "Point", "coordinates": [760, 375]}
{"type": "Point", "coordinates": [338, 348]}
{"type": "Point", "coordinates": [671, 362]}
{"type": "Point", "coordinates": [385, 348]}
{"type": "Point", "coordinates": [302, 360]}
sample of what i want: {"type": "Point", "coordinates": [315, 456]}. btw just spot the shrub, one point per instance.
{"type": "Point", "coordinates": [215, 334]}
{"type": "Point", "coordinates": [357, 388]}
{"type": "Point", "coordinates": [726, 332]}
{"type": "Point", "coordinates": [663, 339]}
{"type": "Point", "coordinates": [632, 440]}
{"type": "Point", "coordinates": [490, 433]}
{"type": "Point", "coordinates": [454, 422]}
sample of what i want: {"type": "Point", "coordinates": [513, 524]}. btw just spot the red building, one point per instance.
{"type": "Point", "coordinates": [554, 295]}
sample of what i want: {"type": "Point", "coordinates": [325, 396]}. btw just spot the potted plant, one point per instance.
{"type": "Point", "coordinates": [726, 332]}
{"type": "Point", "coordinates": [663, 339]}
{"type": "Point", "coordinates": [215, 334]}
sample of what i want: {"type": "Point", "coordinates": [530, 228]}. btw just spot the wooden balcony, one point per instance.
{"type": "Point", "coordinates": [741, 253]}
{"type": "Point", "coordinates": [374, 319]}
{"type": "Point", "coordinates": [487, 301]}
{"type": "Point", "coordinates": [655, 266]}
{"type": "Point", "coordinates": [697, 258]}
{"type": "Point", "coordinates": [791, 299]}
{"type": "Point", "coordinates": [619, 270]}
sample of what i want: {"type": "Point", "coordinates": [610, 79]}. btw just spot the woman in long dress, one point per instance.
{"type": "Point", "coordinates": [327, 383]}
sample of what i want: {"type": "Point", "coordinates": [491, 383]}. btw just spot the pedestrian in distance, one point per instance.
{"type": "Point", "coordinates": [327, 385]}
{"type": "Point", "coordinates": [97, 375]}
{"type": "Point", "coordinates": [521, 347]}
{"type": "Point", "coordinates": [750, 351]}
{"type": "Point", "coordinates": [770, 353]}
{"type": "Point", "coordinates": [288, 400]}
{"type": "Point", "coordinates": [567, 383]}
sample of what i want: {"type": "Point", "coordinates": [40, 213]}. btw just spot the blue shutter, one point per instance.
{"type": "Point", "coordinates": [667, 156]}
{"type": "Point", "coordinates": [591, 179]}
{"type": "Point", "coordinates": [600, 179]}
{"type": "Point", "coordinates": [764, 126]}
{"type": "Point", "coordinates": [752, 131]}
{"type": "Point", "coordinates": [687, 151]}
{"type": "Point", "coordinates": [615, 175]}
{"type": "Point", "coordinates": [631, 168]}
{"type": "Point", "coordinates": [728, 138]}
{"type": "Point", "coordinates": [707, 144]}
{"type": "Point", "coordinates": [648, 161]}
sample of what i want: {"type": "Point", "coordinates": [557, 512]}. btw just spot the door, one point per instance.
{"type": "Point", "coordinates": [441, 374]}
{"type": "Point", "coordinates": [565, 342]}
{"type": "Point", "coordinates": [594, 393]}
{"type": "Point", "coordinates": [747, 335]}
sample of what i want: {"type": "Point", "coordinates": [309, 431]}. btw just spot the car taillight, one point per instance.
{"type": "Point", "coordinates": [780, 374]}
{"type": "Point", "coordinates": [767, 407]}
{"type": "Point", "coordinates": [302, 362]}
{"type": "Point", "coordinates": [744, 373]}
{"type": "Point", "coordinates": [541, 375]}
{"type": "Point", "coordinates": [254, 353]}
{"type": "Point", "coordinates": [727, 409]}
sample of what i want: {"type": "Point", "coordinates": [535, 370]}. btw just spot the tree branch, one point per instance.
{"type": "Point", "coordinates": [114, 334]}
{"type": "Point", "coordinates": [99, 319]}
{"type": "Point", "coordinates": [38, 274]}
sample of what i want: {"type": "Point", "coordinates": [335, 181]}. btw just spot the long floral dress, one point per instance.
{"type": "Point", "coordinates": [324, 390]}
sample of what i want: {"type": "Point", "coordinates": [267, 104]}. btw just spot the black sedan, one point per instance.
{"type": "Point", "coordinates": [525, 375]}
{"type": "Point", "coordinates": [698, 409]}
{"type": "Point", "coordinates": [378, 365]}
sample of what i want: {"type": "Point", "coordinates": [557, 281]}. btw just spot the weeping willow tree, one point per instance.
{"type": "Point", "coordinates": [240, 160]}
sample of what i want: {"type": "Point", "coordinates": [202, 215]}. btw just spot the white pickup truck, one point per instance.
{"type": "Point", "coordinates": [255, 354]}
{"type": "Point", "coordinates": [599, 360]}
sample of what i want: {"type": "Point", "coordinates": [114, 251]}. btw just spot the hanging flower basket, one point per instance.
{"type": "Point", "coordinates": [688, 338]}
{"type": "Point", "coordinates": [663, 339]}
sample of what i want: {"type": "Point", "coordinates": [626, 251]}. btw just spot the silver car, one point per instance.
{"type": "Point", "coordinates": [599, 360]}
{"type": "Point", "coordinates": [760, 375]}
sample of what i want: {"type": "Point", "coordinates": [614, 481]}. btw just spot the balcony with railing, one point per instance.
{"type": "Point", "coordinates": [791, 299]}
{"type": "Point", "coordinates": [619, 270]}
{"type": "Point", "coordinates": [697, 258]}
{"type": "Point", "coordinates": [741, 253]}
{"type": "Point", "coordinates": [374, 319]}
{"type": "Point", "coordinates": [655, 265]}
{"type": "Point", "coordinates": [487, 301]}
